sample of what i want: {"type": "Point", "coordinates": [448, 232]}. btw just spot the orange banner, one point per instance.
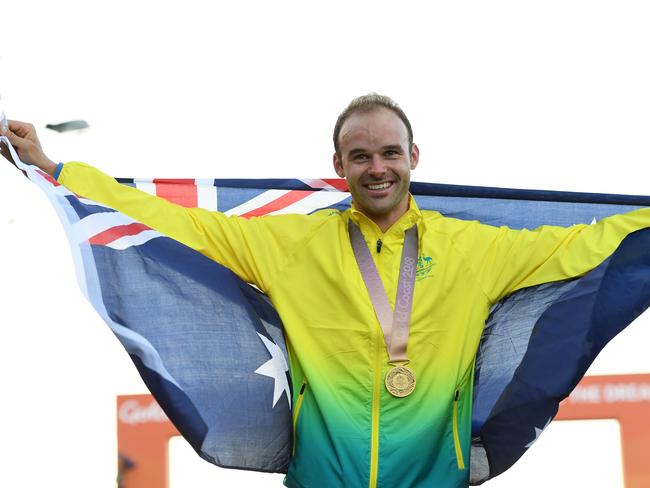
{"type": "Point", "coordinates": [624, 398]}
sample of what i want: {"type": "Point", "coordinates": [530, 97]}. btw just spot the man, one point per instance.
{"type": "Point", "coordinates": [377, 401]}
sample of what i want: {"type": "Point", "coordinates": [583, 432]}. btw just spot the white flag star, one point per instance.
{"type": "Point", "coordinates": [594, 221]}
{"type": "Point", "coordinates": [275, 368]}
{"type": "Point", "coordinates": [538, 432]}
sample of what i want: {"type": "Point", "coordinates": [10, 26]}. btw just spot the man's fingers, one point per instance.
{"type": "Point", "coordinates": [22, 146]}
{"type": "Point", "coordinates": [16, 141]}
{"type": "Point", "coordinates": [20, 127]}
{"type": "Point", "coordinates": [23, 129]}
{"type": "Point", "coordinates": [23, 138]}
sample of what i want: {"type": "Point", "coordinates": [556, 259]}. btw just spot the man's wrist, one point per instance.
{"type": "Point", "coordinates": [47, 165]}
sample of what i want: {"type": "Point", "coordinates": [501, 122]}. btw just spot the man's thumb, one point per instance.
{"type": "Point", "coordinates": [16, 141]}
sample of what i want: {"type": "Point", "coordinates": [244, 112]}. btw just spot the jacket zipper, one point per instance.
{"type": "Point", "coordinates": [296, 412]}
{"type": "Point", "coordinates": [459, 451]}
{"type": "Point", "coordinates": [376, 397]}
{"type": "Point", "coordinates": [376, 401]}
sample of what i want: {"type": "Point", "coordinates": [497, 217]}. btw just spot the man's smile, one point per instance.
{"type": "Point", "coordinates": [379, 186]}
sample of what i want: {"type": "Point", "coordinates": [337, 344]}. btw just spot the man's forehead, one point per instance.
{"type": "Point", "coordinates": [377, 126]}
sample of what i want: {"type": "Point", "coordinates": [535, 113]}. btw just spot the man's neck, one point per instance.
{"type": "Point", "coordinates": [386, 221]}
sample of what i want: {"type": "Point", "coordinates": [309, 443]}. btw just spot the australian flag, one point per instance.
{"type": "Point", "coordinates": [211, 350]}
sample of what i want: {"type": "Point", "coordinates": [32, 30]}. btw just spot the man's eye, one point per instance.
{"type": "Point", "coordinates": [361, 157]}
{"type": "Point", "coordinates": [391, 153]}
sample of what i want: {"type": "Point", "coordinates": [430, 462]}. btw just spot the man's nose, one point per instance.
{"type": "Point", "coordinates": [377, 166]}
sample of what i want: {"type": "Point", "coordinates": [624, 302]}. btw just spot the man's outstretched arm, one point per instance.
{"type": "Point", "coordinates": [255, 249]}
{"type": "Point", "coordinates": [506, 260]}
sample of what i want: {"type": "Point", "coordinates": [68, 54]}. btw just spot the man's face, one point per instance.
{"type": "Point", "coordinates": [376, 162]}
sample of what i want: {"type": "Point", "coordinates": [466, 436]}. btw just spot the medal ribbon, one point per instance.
{"type": "Point", "coordinates": [394, 324]}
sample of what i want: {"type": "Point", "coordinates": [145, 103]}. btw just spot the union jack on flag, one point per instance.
{"type": "Point", "coordinates": [246, 198]}
{"type": "Point", "coordinates": [227, 389]}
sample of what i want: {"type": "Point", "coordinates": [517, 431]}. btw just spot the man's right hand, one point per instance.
{"type": "Point", "coordinates": [25, 141]}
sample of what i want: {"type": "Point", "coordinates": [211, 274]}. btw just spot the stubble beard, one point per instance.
{"type": "Point", "coordinates": [377, 209]}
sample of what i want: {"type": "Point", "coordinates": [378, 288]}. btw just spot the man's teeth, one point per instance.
{"type": "Point", "coordinates": [380, 186]}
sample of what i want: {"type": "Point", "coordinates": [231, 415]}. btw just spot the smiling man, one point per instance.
{"type": "Point", "coordinates": [381, 353]}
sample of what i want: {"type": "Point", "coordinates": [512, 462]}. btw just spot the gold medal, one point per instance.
{"type": "Point", "coordinates": [400, 381]}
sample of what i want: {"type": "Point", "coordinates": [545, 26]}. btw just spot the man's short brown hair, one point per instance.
{"type": "Point", "coordinates": [367, 103]}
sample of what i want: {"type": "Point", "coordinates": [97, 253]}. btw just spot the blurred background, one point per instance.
{"type": "Point", "coordinates": [548, 95]}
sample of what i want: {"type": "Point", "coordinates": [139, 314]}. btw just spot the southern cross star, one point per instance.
{"type": "Point", "coordinates": [538, 432]}
{"type": "Point", "coordinates": [275, 368]}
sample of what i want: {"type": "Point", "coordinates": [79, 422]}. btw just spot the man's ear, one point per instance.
{"type": "Point", "coordinates": [415, 156]}
{"type": "Point", "coordinates": [338, 166]}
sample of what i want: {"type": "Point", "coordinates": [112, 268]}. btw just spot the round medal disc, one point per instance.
{"type": "Point", "coordinates": [400, 381]}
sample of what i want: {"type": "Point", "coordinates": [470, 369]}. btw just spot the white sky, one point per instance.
{"type": "Point", "coordinates": [549, 95]}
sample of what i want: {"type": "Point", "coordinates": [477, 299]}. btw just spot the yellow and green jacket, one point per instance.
{"type": "Point", "coordinates": [348, 430]}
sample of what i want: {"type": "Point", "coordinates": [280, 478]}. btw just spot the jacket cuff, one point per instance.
{"type": "Point", "coordinates": [57, 172]}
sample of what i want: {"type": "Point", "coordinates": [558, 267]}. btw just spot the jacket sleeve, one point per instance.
{"type": "Point", "coordinates": [506, 260]}
{"type": "Point", "coordinates": [254, 249]}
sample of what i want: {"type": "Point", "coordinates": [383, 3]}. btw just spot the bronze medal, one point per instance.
{"type": "Point", "coordinates": [400, 381]}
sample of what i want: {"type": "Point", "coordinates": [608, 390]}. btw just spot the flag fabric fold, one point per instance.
{"type": "Point", "coordinates": [211, 349]}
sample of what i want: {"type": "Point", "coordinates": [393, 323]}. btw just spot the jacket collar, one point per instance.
{"type": "Point", "coordinates": [411, 217]}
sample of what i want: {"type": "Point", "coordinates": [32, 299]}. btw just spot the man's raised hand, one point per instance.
{"type": "Point", "coordinates": [25, 141]}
